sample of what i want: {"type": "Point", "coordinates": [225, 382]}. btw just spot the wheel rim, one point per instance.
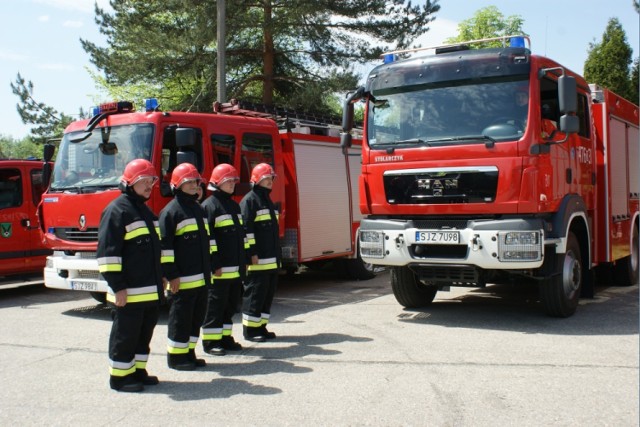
{"type": "Point", "coordinates": [571, 274]}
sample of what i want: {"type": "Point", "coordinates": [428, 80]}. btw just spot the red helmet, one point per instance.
{"type": "Point", "coordinates": [222, 173]}
{"type": "Point", "coordinates": [136, 170]}
{"type": "Point", "coordinates": [182, 173]}
{"type": "Point", "coordinates": [262, 171]}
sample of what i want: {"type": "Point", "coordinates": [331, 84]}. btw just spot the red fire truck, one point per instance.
{"type": "Point", "coordinates": [22, 253]}
{"type": "Point", "coordinates": [495, 165]}
{"type": "Point", "coordinates": [316, 188]}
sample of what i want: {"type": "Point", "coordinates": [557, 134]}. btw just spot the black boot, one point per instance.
{"type": "Point", "coordinates": [253, 334]}
{"type": "Point", "coordinates": [145, 378]}
{"type": "Point", "coordinates": [268, 335]}
{"type": "Point", "coordinates": [230, 344]}
{"type": "Point", "coordinates": [127, 384]}
{"type": "Point", "coordinates": [200, 363]}
{"type": "Point", "coordinates": [215, 348]}
{"type": "Point", "coordinates": [180, 362]}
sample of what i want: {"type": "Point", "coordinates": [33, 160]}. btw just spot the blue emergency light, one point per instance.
{"type": "Point", "coordinates": [151, 104]}
{"type": "Point", "coordinates": [516, 42]}
{"type": "Point", "coordinates": [388, 58]}
{"type": "Point", "coordinates": [95, 110]}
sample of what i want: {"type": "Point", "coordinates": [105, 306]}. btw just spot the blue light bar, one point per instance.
{"type": "Point", "coordinates": [388, 58]}
{"type": "Point", "coordinates": [151, 104]}
{"type": "Point", "coordinates": [95, 110]}
{"type": "Point", "coordinates": [516, 42]}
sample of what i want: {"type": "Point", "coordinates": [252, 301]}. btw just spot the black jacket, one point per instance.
{"type": "Point", "coordinates": [226, 227]}
{"type": "Point", "coordinates": [185, 242]}
{"type": "Point", "coordinates": [129, 249]}
{"type": "Point", "coordinates": [261, 224]}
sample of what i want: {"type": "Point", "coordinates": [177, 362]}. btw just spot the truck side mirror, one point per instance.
{"type": "Point", "coordinates": [47, 155]}
{"type": "Point", "coordinates": [569, 124]}
{"type": "Point", "coordinates": [567, 94]}
{"type": "Point", "coordinates": [185, 137]}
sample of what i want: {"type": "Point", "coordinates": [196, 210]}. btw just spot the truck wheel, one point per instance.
{"type": "Point", "coordinates": [357, 269]}
{"type": "Point", "coordinates": [560, 293]}
{"type": "Point", "coordinates": [626, 270]}
{"type": "Point", "coordinates": [101, 297]}
{"type": "Point", "coordinates": [409, 291]}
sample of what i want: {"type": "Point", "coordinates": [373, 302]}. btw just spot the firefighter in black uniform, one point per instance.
{"type": "Point", "coordinates": [261, 222]}
{"type": "Point", "coordinates": [129, 260]}
{"type": "Point", "coordinates": [225, 223]}
{"type": "Point", "coordinates": [186, 264]}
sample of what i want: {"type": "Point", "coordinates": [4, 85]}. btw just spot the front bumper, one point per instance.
{"type": "Point", "coordinates": [505, 244]}
{"type": "Point", "coordinates": [77, 272]}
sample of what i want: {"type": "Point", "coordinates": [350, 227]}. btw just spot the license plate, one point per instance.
{"type": "Point", "coordinates": [438, 236]}
{"type": "Point", "coordinates": [78, 285]}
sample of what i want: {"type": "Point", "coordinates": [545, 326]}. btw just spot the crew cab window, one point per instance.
{"type": "Point", "coordinates": [256, 148]}
{"type": "Point", "coordinates": [223, 148]}
{"type": "Point", "coordinates": [10, 188]}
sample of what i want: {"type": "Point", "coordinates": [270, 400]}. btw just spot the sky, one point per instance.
{"type": "Point", "coordinates": [40, 39]}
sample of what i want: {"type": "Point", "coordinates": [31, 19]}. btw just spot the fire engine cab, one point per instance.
{"type": "Point", "coordinates": [316, 186]}
{"type": "Point", "coordinates": [22, 253]}
{"type": "Point", "coordinates": [484, 163]}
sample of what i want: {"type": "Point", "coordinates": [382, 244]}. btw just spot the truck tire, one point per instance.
{"type": "Point", "coordinates": [560, 293]}
{"type": "Point", "coordinates": [357, 269]}
{"type": "Point", "coordinates": [409, 291]}
{"type": "Point", "coordinates": [626, 270]}
{"type": "Point", "coordinates": [101, 297]}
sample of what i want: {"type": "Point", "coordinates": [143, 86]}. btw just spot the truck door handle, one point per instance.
{"type": "Point", "coordinates": [26, 223]}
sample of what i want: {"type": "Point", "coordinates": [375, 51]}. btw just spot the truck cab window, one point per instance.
{"type": "Point", "coordinates": [10, 188]}
{"type": "Point", "coordinates": [256, 148]}
{"type": "Point", "coordinates": [223, 148]}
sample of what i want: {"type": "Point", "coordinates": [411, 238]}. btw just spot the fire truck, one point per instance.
{"type": "Point", "coordinates": [315, 190]}
{"type": "Point", "coordinates": [485, 164]}
{"type": "Point", "coordinates": [22, 252]}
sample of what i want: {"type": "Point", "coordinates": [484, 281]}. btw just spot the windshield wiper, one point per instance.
{"type": "Point", "coordinates": [402, 143]}
{"type": "Point", "coordinates": [488, 141]}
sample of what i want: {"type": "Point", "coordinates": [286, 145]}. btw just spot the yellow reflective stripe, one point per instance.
{"type": "Point", "coordinates": [260, 267]}
{"type": "Point", "coordinates": [136, 233]}
{"type": "Point", "coordinates": [211, 334]}
{"type": "Point", "coordinates": [106, 268]}
{"type": "Point", "coordinates": [251, 321]}
{"type": "Point", "coordinates": [187, 229]}
{"type": "Point", "coordinates": [226, 223]}
{"type": "Point", "coordinates": [174, 347]}
{"type": "Point", "coordinates": [143, 294]}
{"type": "Point", "coordinates": [167, 256]}
{"type": "Point", "coordinates": [266, 217]}
{"type": "Point", "coordinates": [226, 276]}
{"type": "Point", "coordinates": [191, 285]}
{"type": "Point", "coordinates": [121, 369]}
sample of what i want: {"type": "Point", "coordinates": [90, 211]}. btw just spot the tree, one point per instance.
{"type": "Point", "coordinates": [608, 61]}
{"type": "Point", "coordinates": [634, 95]}
{"type": "Point", "coordinates": [280, 52]}
{"type": "Point", "coordinates": [488, 22]}
{"type": "Point", "coordinates": [49, 122]}
{"type": "Point", "coordinates": [11, 148]}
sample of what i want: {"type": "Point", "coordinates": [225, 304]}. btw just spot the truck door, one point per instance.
{"type": "Point", "coordinates": [21, 250]}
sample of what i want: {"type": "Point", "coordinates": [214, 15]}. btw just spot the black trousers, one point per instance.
{"type": "Point", "coordinates": [186, 314]}
{"type": "Point", "coordinates": [223, 302]}
{"type": "Point", "coordinates": [259, 290]}
{"type": "Point", "coordinates": [131, 333]}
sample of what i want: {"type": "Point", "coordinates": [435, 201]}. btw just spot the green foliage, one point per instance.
{"type": "Point", "coordinates": [11, 148]}
{"type": "Point", "coordinates": [488, 22]}
{"type": "Point", "coordinates": [634, 95]}
{"type": "Point", "coordinates": [49, 122]}
{"type": "Point", "coordinates": [609, 60]}
{"type": "Point", "coordinates": [293, 54]}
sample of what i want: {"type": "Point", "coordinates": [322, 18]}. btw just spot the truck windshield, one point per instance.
{"type": "Point", "coordinates": [97, 163]}
{"type": "Point", "coordinates": [450, 113]}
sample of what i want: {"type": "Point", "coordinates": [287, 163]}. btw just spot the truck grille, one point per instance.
{"type": "Point", "coordinates": [76, 235]}
{"type": "Point", "coordinates": [454, 275]}
{"type": "Point", "coordinates": [88, 274]}
{"type": "Point", "coordinates": [433, 186]}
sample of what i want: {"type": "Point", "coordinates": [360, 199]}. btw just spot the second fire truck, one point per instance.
{"type": "Point", "coordinates": [315, 190]}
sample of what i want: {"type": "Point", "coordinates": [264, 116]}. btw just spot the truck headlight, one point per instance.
{"type": "Point", "coordinates": [371, 244]}
{"type": "Point", "coordinates": [514, 246]}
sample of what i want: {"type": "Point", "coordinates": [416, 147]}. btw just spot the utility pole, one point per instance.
{"type": "Point", "coordinates": [221, 74]}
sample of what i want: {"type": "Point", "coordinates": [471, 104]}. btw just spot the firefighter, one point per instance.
{"type": "Point", "coordinates": [225, 223]}
{"type": "Point", "coordinates": [186, 265]}
{"type": "Point", "coordinates": [128, 257]}
{"type": "Point", "coordinates": [261, 223]}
